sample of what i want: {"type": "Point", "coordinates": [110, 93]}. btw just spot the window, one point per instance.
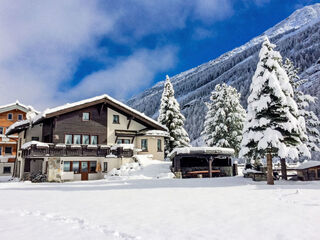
{"type": "Point", "coordinates": [93, 166]}
{"type": "Point", "coordinates": [35, 138]}
{"type": "Point", "coordinates": [1, 130]}
{"type": "Point", "coordinates": [94, 139]}
{"type": "Point", "coordinates": [76, 139]}
{"type": "Point", "coordinates": [318, 173]}
{"type": "Point", "coordinates": [85, 139]}
{"type": "Point", "coordinates": [85, 116]}
{"type": "Point", "coordinates": [66, 166]}
{"type": "Point", "coordinates": [84, 166]}
{"type": "Point", "coordinates": [20, 117]}
{"type": "Point", "coordinates": [75, 167]}
{"type": "Point", "coordinates": [159, 145]}
{"type": "Point", "coordinates": [0, 151]}
{"type": "Point", "coordinates": [105, 167]}
{"type": "Point", "coordinates": [123, 141]}
{"type": "Point", "coordinates": [9, 116]}
{"type": "Point", "coordinates": [144, 145]}
{"type": "Point", "coordinates": [8, 150]}
{"type": "Point", "coordinates": [6, 169]}
{"type": "Point", "coordinates": [68, 139]}
{"type": "Point", "coordinates": [116, 119]}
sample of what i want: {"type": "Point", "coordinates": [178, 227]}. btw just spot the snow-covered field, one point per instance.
{"type": "Point", "coordinates": [143, 206]}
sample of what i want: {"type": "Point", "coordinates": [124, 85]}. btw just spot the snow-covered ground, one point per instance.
{"type": "Point", "coordinates": [147, 204]}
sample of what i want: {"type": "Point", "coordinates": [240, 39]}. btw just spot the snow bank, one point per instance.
{"type": "Point", "coordinates": [144, 168]}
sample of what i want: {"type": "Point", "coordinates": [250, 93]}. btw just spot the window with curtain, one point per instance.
{"type": "Point", "coordinates": [144, 144]}
{"type": "Point", "coordinates": [94, 139]}
{"type": "Point", "coordinates": [85, 116]}
{"type": "Point", "coordinates": [105, 167]}
{"type": "Point", "coordinates": [76, 139]}
{"type": "Point", "coordinates": [85, 139]}
{"type": "Point", "coordinates": [66, 166]}
{"type": "Point", "coordinates": [159, 145]}
{"type": "Point", "coordinates": [75, 167]}
{"type": "Point", "coordinates": [68, 139]}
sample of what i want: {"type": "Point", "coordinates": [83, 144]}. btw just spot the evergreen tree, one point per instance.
{"type": "Point", "coordinates": [224, 119]}
{"type": "Point", "coordinates": [171, 117]}
{"type": "Point", "coordinates": [303, 102]}
{"type": "Point", "coordinates": [272, 126]}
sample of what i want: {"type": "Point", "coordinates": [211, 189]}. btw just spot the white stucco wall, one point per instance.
{"type": "Point", "coordinates": [112, 163]}
{"type": "Point", "coordinates": [152, 146]}
{"type": "Point", "coordinates": [123, 123]}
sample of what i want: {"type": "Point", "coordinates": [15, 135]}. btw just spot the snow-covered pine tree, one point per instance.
{"type": "Point", "coordinates": [303, 102]}
{"type": "Point", "coordinates": [224, 119]}
{"type": "Point", "coordinates": [171, 117]}
{"type": "Point", "coordinates": [272, 127]}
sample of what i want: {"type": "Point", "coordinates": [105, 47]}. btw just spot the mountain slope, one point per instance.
{"type": "Point", "coordinates": [297, 37]}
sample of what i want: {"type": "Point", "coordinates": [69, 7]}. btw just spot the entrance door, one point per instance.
{"type": "Point", "coordinates": [84, 171]}
{"type": "Point", "coordinates": [36, 166]}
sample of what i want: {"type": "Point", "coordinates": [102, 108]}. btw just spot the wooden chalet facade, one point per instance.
{"type": "Point", "coordinates": [9, 114]}
{"type": "Point", "coordinates": [84, 140]}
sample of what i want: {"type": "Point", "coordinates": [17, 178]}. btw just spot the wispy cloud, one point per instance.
{"type": "Point", "coordinates": [42, 43]}
{"type": "Point", "coordinates": [127, 75]}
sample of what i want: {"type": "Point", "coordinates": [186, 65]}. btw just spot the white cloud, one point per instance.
{"type": "Point", "coordinates": [127, 75]}
{"type": "Point", "coordinates": [41, 43]}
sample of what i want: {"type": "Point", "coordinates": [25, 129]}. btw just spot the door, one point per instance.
{"type": "Point", "coordinates": [84, 171]}
{"type": "Point", "coordinates": [36, 166]}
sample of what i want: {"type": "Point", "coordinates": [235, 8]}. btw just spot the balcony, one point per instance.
{"type": "Point", "coordinates": [62, 150]}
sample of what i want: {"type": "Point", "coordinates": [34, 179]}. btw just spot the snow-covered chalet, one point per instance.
{"type": "Point", "coordinates": [9, 114]}
{"type": "Point", "coordinates": [85, 140]}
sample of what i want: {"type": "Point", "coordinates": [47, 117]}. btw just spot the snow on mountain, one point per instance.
{"type": "Point", "coordinates": [297, 37]}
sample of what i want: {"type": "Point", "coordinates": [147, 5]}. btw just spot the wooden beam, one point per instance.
{"type": "Point", "coordinates": [210, 166]}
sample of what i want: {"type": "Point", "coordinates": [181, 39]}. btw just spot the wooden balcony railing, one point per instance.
{"type": "Point", "coordinates": [58, 150]}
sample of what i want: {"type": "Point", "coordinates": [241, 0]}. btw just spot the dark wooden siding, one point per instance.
{"type": "Point", "coordinates": [47, 131]}
{"type": "Point", "coordinates": [71, 123]}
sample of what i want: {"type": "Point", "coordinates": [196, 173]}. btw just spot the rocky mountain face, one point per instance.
{"type": "Point", "coordinates": [297, 37]}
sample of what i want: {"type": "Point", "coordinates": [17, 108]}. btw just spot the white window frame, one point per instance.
{"type": "Point", "coordinates": [10, 114]}
{"type": "Point", "coordinates": [65, 138]}
{"type": "Point", "coordinates": [74, 137]}
{"type": "Point", "coordinates": [159, 141]}
{"type": "Point", "coordinates": [144, 149]}
{"type": "Point", "coordinates": [20, 115]}
{"type": "Point", "coordinates": [84, 114]}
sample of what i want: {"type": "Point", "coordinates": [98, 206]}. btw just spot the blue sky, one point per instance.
{"type": "Point", "coordinates": [53, 52]}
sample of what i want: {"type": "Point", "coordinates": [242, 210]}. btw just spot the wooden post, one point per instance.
{"type": "Point", "coordinates": [210, 167]}
{"type": "Point", "coordinates": [283, 169]}
{"type": "Point", "coordinates": [269, 170]}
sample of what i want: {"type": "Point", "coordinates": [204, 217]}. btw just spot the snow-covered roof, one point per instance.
{"type": "Point", "coordinates": [16, 105]}
{"type": "Point", "coordinates": [308, 164]}
{"type": "Point", "coordinates": [16, 125]}
{"type": "Point", "coordinates": [98, 98]}
{"type": "Point", "coordinates": [38, 144]}
{"type": "Point", "coordinates": [70, 106]}
{"type": "Point", "coordinates": [155, 133]}
{"type": "Point", "coordinates": [201, 150]}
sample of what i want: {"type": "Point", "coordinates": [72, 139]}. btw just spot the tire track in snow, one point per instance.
{"type": "Point", "coordinates": [76, 222]}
